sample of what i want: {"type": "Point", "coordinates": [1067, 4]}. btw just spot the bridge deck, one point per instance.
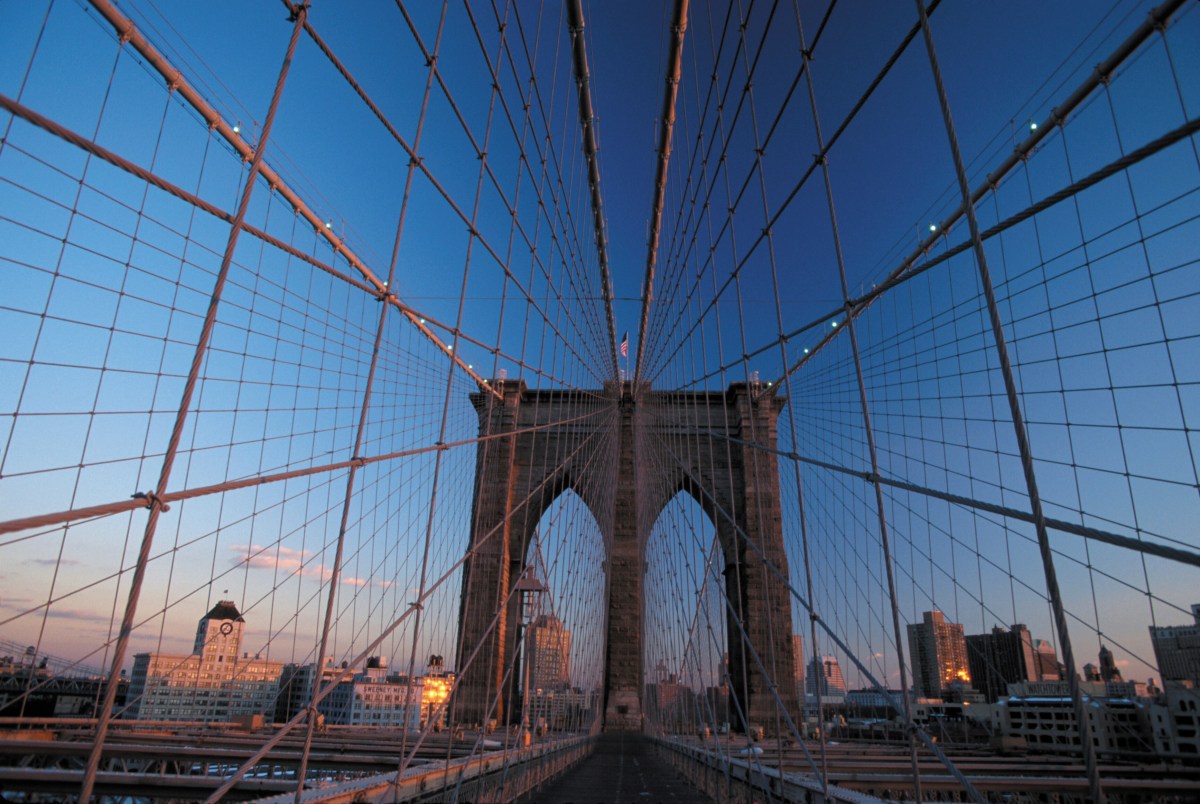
{"type": "Point", "coordinates": [623, 768]}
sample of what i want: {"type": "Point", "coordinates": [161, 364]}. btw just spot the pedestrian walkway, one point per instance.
{"type": "Point", "coordinates": [624, 768]}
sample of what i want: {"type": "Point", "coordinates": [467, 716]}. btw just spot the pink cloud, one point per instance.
{"type": "Point", "coordinates": [280, 558]}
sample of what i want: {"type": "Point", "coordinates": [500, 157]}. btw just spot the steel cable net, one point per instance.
{"type": "Point", "coordinates": [281, 372]}
{"type": "Point", "coordinates": [914, 470]}
{"type": "Point", "coordinates": [941, 546]}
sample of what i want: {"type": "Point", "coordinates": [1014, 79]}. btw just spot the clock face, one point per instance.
{"type": "Point", "coordinates": [226, 628]}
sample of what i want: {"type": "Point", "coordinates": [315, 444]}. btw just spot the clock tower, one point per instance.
{"type": "Point", "coordinates": [219, 634]}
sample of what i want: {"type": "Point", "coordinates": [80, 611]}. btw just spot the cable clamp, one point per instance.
{"type": "Point", "coordinates": [152, 500]}
{"type": "Point", "coordinates": [300, 10]}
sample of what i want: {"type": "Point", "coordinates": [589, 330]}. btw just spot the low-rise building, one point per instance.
{"type": "Point", "coordinates": [212, 684]}
{"type": "Point", "coordinates": [1042, 715]}
{"type": "Point", "coordinates": [1175, 718]}
{"type": "Point", "coordinates": [374, 697]}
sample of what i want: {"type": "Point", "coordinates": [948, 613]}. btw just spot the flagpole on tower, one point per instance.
{"type": "Point", "coordinates": [625, 352]}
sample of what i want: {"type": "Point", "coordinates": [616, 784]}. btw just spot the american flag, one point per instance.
{"type": "Point", "coordinates": [625, 345]}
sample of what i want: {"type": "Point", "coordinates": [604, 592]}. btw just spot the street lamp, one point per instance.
{"type": "Point", "coordinates": [529, 588]}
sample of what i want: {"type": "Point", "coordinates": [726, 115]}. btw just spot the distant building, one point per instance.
{"type": "Point", "coordinates": [297, 684]}
{"type": "Point", "coordinates": [1108, 666]}
{"type": "Point", "coordinates": [1043, 715]}
{"type": "Point", "coordinates": [798, 663]}
{"type": "Point", "coordinates": [49, 687]}
{"type": "Point", "coordinates": [568, 710]}
{"type": "Point", "coordinates": [1000, 658]}
{"type": "Point", "coordinates": [212, 684]}
{"type": "Point", "coordinates": [1177, 650]}
{"type": "Point", "coordinates": [548, 654]}
{"type": "Point", "coordinates": [1048, 667]}
{"type": "Point", "coordinates": [1175, 718]}
{"type": "Point", "coordinates": [825, 678]}
{"type": "Point", "coordinates": [672, 706]}
{"type": "Point", "coordinates": [883, 704]}
{"type": "Point", "coordinates": [374, 697]}
{"type": "Point", "coordinates": [939, 656]}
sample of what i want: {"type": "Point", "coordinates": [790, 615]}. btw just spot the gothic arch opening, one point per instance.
{"type": "Point", "coordinates": [559, 652]}
{"type": "Point", "coordinates": [686, 674]}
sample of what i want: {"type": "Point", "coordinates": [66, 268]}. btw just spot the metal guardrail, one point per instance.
{"type": "Point", "coordinates": [719, 775]}
{"type": "Point", "coordinates": [498, 776]}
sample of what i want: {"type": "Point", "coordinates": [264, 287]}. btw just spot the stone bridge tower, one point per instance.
{"type": "Point", "coordinates": [538, 444]}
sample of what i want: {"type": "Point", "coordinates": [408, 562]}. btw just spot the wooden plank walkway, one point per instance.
{"type": "Point", "coordinates": [623, 769]}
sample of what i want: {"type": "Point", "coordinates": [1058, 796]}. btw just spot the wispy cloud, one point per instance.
{"type": "Point", "coordinates": [52, 562]}
{"type": "Point", "coordinates": [281, 558]}
{"type": "Point", "coordinates": [56, 612]}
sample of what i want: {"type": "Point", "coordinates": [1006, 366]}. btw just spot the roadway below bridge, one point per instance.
{"type": "Point", "coordinates": [624, 767]}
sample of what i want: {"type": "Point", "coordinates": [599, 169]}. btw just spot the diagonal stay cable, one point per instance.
{"type": "Point", "coordinates": [587, 120]}
{"type": "Point", "coordinates": [126, 30]}
{"type": "Point", "coordinates": [679, 19]}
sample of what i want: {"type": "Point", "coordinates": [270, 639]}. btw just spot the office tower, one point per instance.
{"type": "Point", "coordinates": [1000, 658]}
{"type": "Point", "coordinates": [939, 656]}
{"type": "Point", "coordinates": [798, 658]}
{"type": "Point", "coordinates": [1108, 666]}
{"type": "Point", "coordinates": [825, 677]}
{"type": "Point", "coordinates": [1177, 649]}
{"type": "Point", "coordinates": [548, 654]}
{"type": "Point", "coordinates": [1048, 668]}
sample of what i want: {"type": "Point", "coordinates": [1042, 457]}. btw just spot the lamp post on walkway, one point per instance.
{"type": "Point", "coordinates": [529, 587]}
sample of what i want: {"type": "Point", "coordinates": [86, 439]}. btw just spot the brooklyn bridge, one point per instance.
{"type": "Point", "coordinates": [608, 401]}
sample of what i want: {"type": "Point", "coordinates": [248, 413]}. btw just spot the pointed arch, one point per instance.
{"type": "Point", "coordinates": [684, 616]}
